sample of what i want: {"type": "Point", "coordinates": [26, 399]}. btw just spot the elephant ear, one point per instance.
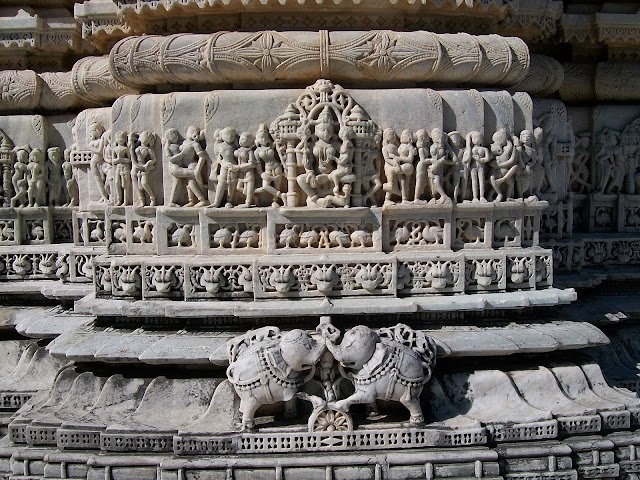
{"type": "Point", "coordinates": [265, 335]}
{"type": "Point", "coordinates": [416, 340]}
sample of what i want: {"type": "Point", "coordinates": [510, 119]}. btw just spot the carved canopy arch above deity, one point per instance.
{"type": "Point", "coordinates": [329, 147]}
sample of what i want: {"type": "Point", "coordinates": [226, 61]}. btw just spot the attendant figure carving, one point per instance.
{"type": "Point", "coordinates": [439, 152]}
{"type": "Point", "coordinates": [226, 165]}
{"type": "Point", "coordinates": [398, 164]}
{"type": "Point", "coordinates": [186, 162]}
{"type": "Point", "coordinates": [343, 173]}
{"type": "Point", "coordinates": [122, 153]}
{"type": "Point", "coordinates": [527, 160]}
{"type": "Point", "coordinates": [143, 163]}
{"type": "Point", "coordinates": [37, 179]}
{"type": "Point", "coordinates": [273, 173]}
{"type": "Point", "coordinates": [248, 167]}
{"type": "Point", "coordinates": [96, 146]}
{"type": "Point", "coordinates": [371, 164]}
{"type": "Point", "coordinates": [610, 162]}
{"type": "Point", "coordinates": [459, 166]}
{"type": "Point", "coordinates": [71, 184]}
{"type": "Point", "coordinates": [422, 168]}
{"type": "Point", "coordinates": [107, 166]}
{"type": "Point", "coordinates": [547, 151]}
{"type": "Point", "coordinates": [20, 178]}
{"type": "Point", "coordinates": [55, 176]}
{"type": "Point", "coordinates": [479, 157]}
{"type": "Point", "coordinates": [579, 178]}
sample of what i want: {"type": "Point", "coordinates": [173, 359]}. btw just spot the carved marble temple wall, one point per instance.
{"type": "Point", "coordinates": [236, 236]}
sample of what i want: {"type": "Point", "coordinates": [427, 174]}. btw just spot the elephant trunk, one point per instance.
{"type": "Point", "coordinates": [335, 349]}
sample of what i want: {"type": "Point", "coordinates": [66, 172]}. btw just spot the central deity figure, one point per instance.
{"type": "Point", "coordinates": [328, 164]}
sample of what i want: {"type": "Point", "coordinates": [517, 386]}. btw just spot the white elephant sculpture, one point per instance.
{"type": "Point", "coordinates": [266, 367]}
{"type": "Point", "coordinates": [387, 364]}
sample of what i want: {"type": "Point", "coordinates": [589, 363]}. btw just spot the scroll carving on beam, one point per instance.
{"type": "Point", "coordinates": [272, 57]}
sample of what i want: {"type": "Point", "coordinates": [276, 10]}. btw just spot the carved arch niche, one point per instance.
{"type": "Point", "coordinates": [330, 146]}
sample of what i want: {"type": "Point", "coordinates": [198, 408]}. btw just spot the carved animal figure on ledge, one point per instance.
{"type": "Point", "coordinates": [387, 364]}
{"type": "Point", "coordinates": [266, 367]}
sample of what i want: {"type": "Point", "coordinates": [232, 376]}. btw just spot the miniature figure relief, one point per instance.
{"type": "Point", "coordinates": [267, 366]}
{"type": "Point", "coordinates": [324, 151]}
{"type": "Point", "coordinates": [32, 177]}
{"type": "Point", "coordinates": [617, 161]}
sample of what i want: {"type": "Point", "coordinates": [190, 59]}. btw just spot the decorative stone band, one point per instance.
{"type": "Point", "coordinates": [334, 275]}
{"type": "Point", "coordinates": [606, 81]}
{"type": "Point", "coordinates": [268, 58]}
{"type": "Point", "coordinates": [275, 57]}
{"type": "Point", "coordinates": [90, 83]}
{"type": "Point", "coordinates": [45, 262]}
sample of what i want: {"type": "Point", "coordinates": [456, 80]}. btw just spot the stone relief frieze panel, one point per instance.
{"type": "Point", "coordinates": [326, 151]}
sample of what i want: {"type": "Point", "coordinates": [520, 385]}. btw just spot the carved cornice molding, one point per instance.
{"type": "Point", "coordinates": [618, 28]}
{"type": "Point", "coordinates": [106, 21]}
{"type": "Point", "coordinates": [620, 32]}
{"type": "Point", "coordinates": [40, 36]}
{"type": "Point", "coordinates": [579, 28]}
{"type": "Point", "coordinates": [280, 57]}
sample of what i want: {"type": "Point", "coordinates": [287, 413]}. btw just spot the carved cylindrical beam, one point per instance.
{"type": "Point", "coordinates": [271, 57]}
{"type": "Point", "coordinates": [89, 84]}
{"type": "Point", "coordinates": [606, 81]}
{"type": "Point", "coordinates": [544, 78]}
{"type": "Point", "coordinates": [94, 83]}
{"type": "Point", "coordinates": [19, 90]}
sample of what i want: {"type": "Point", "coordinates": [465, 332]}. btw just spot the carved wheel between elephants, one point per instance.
{"type": "Point", "coordinates": [330, 419]}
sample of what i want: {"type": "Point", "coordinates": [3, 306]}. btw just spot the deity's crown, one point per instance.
{"type": "Point", "coordinates": [325, 116]}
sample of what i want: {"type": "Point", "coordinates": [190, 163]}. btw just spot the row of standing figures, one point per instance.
{"type": "Point", "coordinates": [434, 168]}
{"type": "Point", "coordinates": [31, 180]}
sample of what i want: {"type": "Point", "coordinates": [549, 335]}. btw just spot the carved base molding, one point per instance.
{"type": "Point", "coordinates": [333, 275]}
{"type": "Point", "coordinates": [599, 458]}
{"type": "Point", "coordinates": [41, 262]}
{"type": "Point", "coordinates": [595, 251]}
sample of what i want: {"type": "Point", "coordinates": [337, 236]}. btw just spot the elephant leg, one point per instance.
{"type": "Point", "coordinates": [358, 397]}
{"type": "Point", "coordinates": [290, 409]}
{"type": "Point", "coordinates": [248, 407]}
{"type": "Point", "coordinates": [372, 410]}
{"type": "Point", "coordinates": [412, 403]}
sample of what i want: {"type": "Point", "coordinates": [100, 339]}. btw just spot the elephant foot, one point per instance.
{"type": "Point", "coordinates": [414, 421]}
{"type": "Point", "coordinates": [248, 426]}
{"type": "Point", "coordinates": [375, 416]}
